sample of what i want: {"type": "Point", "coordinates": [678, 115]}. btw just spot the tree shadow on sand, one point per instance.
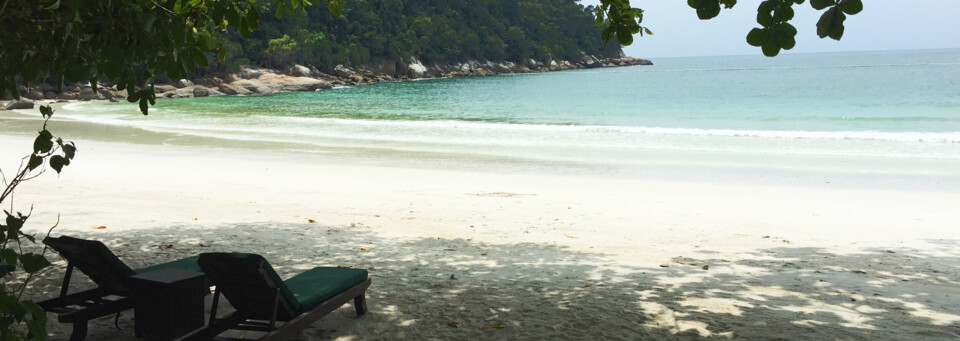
{"type": "Point", "coordinates": [462, 289]}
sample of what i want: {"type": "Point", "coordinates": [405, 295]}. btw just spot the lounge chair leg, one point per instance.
{"type": "Point", "coordinates": [360, 303]}
{"type": "Point", "coordinates": [79, 331]}
{"type": "Point", "coordinates": [66, 280]}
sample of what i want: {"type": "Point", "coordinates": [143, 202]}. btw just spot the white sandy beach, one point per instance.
{"type": "Point", "coordinates": [548, 254]}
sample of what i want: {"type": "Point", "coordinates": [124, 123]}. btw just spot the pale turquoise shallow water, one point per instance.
{"type": "Point", "coordinates": [875, 104]}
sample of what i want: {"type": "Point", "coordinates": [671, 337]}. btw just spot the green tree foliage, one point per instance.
{"type": "Point", "coordinates": [281, 48]}
{"type": "Point", "coordinates": [775, 34]}
{"type": "Point", "coordinates": [435, 31]}
{"type": "Point", "coordinates": [129, 43]}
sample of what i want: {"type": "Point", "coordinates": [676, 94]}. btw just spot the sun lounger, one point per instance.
{"type": "Point", "coordinates": [264, 302]}
{"type": "Point", "coordinates": [113, 293]}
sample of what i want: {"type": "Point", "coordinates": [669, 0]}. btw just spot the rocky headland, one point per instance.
{"type": "Point", "coordinates": [252, 81]}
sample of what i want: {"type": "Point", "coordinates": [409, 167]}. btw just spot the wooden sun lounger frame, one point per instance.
{"type": "Point", "coordinates": [112, 295]}
{"type": "Point", "coordinates": [240, 319]}
{"type": "Point", "coordinates": [80, 307]}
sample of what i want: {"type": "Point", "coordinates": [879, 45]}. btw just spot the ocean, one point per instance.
{"type": "Point", "coordinates": [861, 112]}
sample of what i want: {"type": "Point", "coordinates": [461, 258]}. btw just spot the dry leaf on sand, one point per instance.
{"type": "Point", "coordinates": [99, 227]}
{"type": "Point", "coordinates": [497, 326]}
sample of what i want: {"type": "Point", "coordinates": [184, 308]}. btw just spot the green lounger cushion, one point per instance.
{"type": "Point", "coordinates": [189, 264]}
{"type": "Point", "coordinates": [319, 284]}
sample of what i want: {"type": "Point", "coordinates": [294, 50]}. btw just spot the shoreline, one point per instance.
{"type": "Point", "coordinates": [827, 171]}
{"type": "Point", "coordinates": [257, 81]}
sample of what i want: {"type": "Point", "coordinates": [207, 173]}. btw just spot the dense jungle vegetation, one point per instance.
{"type": "Point", "coordinates": [435, 31]}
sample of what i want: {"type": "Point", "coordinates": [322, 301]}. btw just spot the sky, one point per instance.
{"type": "Point", "coordinates": [883, 25]}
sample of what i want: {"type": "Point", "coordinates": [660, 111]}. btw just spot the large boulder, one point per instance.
{"type": "Point", "coordinates": [589, 61]}
{"type": "Point", "coordinates": [183, 83]}
{"type": "Point", "coordinates": [381, 66]}
{"type": "Point", "coordinates": [416, 69]}
{"type": "Point", "coordinates": [87, 94]}
{"type": "Point", "coordinates": [32, 93]}
{"type": "Point", "coordinates": [342, 71]}
{"type": "Point", "coordinates": [164, 88]}
{"type": "Point", "coordinates": [300, 71]}
{"type": "Point", "coordinates": [21, 104]}
{"type": "Point", "coordinates": [107, 93]}
{"type": "Point", "coordinates": [247, 72]}
{"type": "Point", "coordinates": [314, 71]}
{"type": "Point", "coordinates": [200, 92]}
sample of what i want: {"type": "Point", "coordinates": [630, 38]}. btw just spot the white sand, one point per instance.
{"type": "Point", "coordinates": [548, 255]}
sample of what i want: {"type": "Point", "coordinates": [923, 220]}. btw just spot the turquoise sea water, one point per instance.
{"type": "Point", "coordinates": [903, 104]}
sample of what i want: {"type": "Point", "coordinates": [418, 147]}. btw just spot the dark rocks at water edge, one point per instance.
{"type": "Point", "coordinates": [21, 104]}
{"type": "Point", "coordinates": [250, 80]}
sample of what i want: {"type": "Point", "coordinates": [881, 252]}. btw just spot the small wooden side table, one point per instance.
{"type": "Point", "coordinates": [168, 303]}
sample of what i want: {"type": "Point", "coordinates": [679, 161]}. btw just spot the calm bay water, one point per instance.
{"type": "Point", "coordinates": [875, 104]}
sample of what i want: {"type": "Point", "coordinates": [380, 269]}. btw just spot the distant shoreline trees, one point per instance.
{"type": "Point", "coordinates": [432, 30]}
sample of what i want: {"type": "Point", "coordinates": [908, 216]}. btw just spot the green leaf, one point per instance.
{"type": "Point", "coordinates": [43, 143]}
{"type": "Point", "coordinates": [851, 7]}
{"type": "Point", "coordinates": [607, 34]}
{"type": "Point", "coordinates": [756, 37]}
{"type": "Point", "coordinates": [69, 150]}
{"type": "Point", "coordinates": [624, 37]}
{"type": "Point", "coordinates": [143, 105]}
{"type": "Point", "coordinates": [831, 24]}
{"type": "Point", "coordinates": [14, 224]}
{"type": "Point", "coordinates": [243, 28]}
{"type": "Point", "coordinates": [708, 9]}
{"type": "Point", "coordinates": [771, 47]}
{"type": "Point", "coordinates": [132, 96]}
{"type": "Point", "coordinates": [335, 7]}
{"type": "Point", "coordinates": [787, 43]}
{"type": "Point", "coordinates": [35, 161]}
{"type": "Point", "coordinates": [786, 30]}
{"type": "Point", "coordinates": [280, 10]}
{"type": "Point", "coordinates": [783, 13]}
{"type": "Point", "coordinates": [253, 15]}
{"type": "Point", "coordinates": [821, 4]}
{"type": "Point", "coordinates": [200, 58]}
{"type": "Point", "coordinates": [9, 256]}
{"type": "Point", "coordinates": [46, 111]}
{"type": "Point", "coordinates": [57, 163]}
{"type": "Point", "coordinates": [33, 262]}
{"type": "Point", "coordinates": [36, 319]}
{"type": "Point", "coordinates": [764, 18]}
